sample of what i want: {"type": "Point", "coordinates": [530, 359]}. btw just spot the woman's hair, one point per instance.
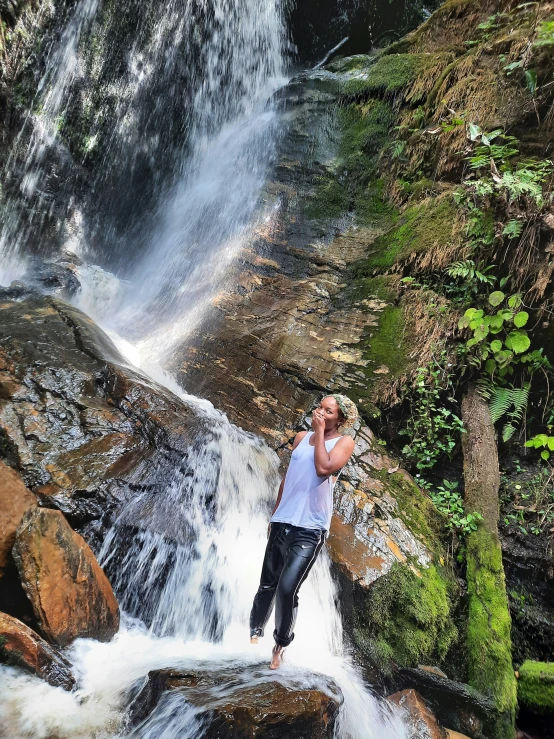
{"type": "Point", "coordinates": [348, 410]}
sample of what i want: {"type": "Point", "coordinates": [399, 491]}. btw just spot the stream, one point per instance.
{"type": "Point", "coordinates": [184, 570]}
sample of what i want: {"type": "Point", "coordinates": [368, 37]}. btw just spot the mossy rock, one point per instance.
{"type": "Point", "coordinates": [406, 618]}
{"type": "Point", "coordinates": [390, 74]}
{"type": "Point", "coordinates": [535, 687]}
{"type": "Point", "coordinates": [430, 224]}
{"type": "Point", "coordinates": [489, 644]}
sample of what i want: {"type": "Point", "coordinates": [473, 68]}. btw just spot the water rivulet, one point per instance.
{"type": "Point", "coordinates": [159, 118]}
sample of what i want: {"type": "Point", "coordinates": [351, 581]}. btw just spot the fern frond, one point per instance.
{"type": "Point", "coordinates": [520, 398]}
{"type": "Point", "coordinates": [500, 402]}
{"type": "Point", "coordinates": [508, 431]}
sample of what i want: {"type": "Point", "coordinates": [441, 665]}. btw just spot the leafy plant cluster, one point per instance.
{"type": "Point", "coordinates": [497, 180]}
{"type": "Point", "coordinates": [448, 499]}
{"type": "Point", "coordinates": [433, 428]}
{"type": "Point", "coordinates": [499, 346]}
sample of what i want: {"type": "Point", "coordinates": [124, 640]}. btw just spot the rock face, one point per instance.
{"type": "Point", "coordinates": [15, 500]}
{"type": "Point", "coordinates": [420, 722]}
{"type": "Point", "coordinates": [22, 647]}
{"type": "Point", "coordinates": [249, 706]}
{"type": "Point", "coordinates": [70, 594]}
{"type": "Point", "coordinates": [82, 428]}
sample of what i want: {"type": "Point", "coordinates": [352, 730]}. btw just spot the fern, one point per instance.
{"type": "Point", "coordinates": [509, 402]}
{"type": "Point", "coordinates": [500, 402]}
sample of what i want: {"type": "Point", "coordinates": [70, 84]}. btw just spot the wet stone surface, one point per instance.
{"type": "Point", "coordinates": [246, 703]}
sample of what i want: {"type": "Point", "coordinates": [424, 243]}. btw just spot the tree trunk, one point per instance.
{"type": "Point", "coordinates": [481, 472]}
{"type": "Point", "coordinates": [488, 639]}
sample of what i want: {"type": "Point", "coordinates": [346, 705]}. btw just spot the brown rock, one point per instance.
{"type": "Point", "coordinates": [420, 721]}
{"type": "Point", "coordinates": [15, 499]}
{"type": "Point", "coordinates": [245, 705]}
{"type": "Point", "coordinates": [22, 647]}
{"type": "Point", "coordinates": [451, 734]}
{"type": "Point", "coordinates": [70, 593]}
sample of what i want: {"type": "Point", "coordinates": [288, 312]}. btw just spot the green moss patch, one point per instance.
{"type": "Point", "coordinates": [390, 74]}
{"type": "Point", "coordinates": [330, 200]}
{"type": "Point", "coordinates": [489, 643]}
{"type": "Point", "coordinates": [407, 618]}
{"type": "Point", "coordinates": [535, 687]}
{"type": "Point", "coordinates": [422, 227]}
{"type": "Point", "coordinates": [388, 346]}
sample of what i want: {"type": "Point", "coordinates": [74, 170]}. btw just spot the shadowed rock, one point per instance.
{"type": "Point", "coordinates": [247, 704]}
{"type": "Point", "coordinates": [22, 647]}
{"type": "Point", "coordinates": [70, 593]}
{"type": "Point", "coordinates": [15, 500]}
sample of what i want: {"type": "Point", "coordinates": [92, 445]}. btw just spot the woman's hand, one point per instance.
{"type": "Point", "coordinates": [318, 421]}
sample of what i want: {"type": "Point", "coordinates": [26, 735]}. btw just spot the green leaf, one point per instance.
{"type": "Point", "coordinates": [531, 80]}
{"type": "Point", "coordinates": [503, 358]}
{"type": "Point", "coordinates": [490, 366]}
{"type": "Point", "coordinates": [514, 301]}
{"type": "Point", "coordinates": [496, 346]}
{"type": "Point", "coordinates": [496, 297]}
{"type": "Point", "coordinates": [545, 454]}
{"type": "Point", "coordinates": [518, 341]}
{"type": "Point", "coordinates": [550, 443]}
{"type": "Point", "coordinates": [521, 318]}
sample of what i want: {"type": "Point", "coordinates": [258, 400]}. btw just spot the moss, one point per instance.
{"type": "Point", "coordinates": [489, 644]}
{"type": "Point", "coordinates": [535, 687]}
{"type": "Point", "coordinates": [390, 74]}
{"type": "Point", "coordinates": [382, 287]}
{"type": "Point", "coordinates": [388, 346]}
{"type": "Point", "coordinates": [422, 227]}
{"type": "Point", "coordinates": [406, 618]}
{"type": "Point", "coordinates": [330, 200]}
{"type": "Point", "coordinates": [351, 184]}
{"type": "Point", "coordinates": [372, 207]}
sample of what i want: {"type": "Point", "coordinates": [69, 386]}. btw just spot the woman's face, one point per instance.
{"type": "Point", "coordinates": [331, 412]}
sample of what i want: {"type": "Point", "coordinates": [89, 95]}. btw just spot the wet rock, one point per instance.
{"type": "Point", "coordinates": [84, 430]}
{"type": "Point", "coordinates": [70, 593]}
{"type": "Point", "coordinates": [246, 704]}
{"type": "Point", "coordinates": [529, 570]}
{"type": "Point", "coordinates": [455, 704]}
{"type": "Point", "coordinates": [420, 722]}
{"type": "Point", "coordinates": [15, 500]}
{"type": "Point", "coordinates": [20, 646]}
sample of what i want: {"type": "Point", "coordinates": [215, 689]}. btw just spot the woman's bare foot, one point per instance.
{"type": "Point", "coordinates": [277, 657]}
{"type": "Point", "coordinates": [254, 640]}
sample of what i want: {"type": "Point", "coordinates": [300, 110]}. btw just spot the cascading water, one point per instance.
{"type": "Point", "coordinates": [185, 565]}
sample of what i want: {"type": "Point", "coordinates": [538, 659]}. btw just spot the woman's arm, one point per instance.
{"type": "Point", "coordinates": [328, 462]}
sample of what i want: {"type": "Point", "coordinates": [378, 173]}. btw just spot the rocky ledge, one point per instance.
{"type": "Point", "coordinates": [246, 703]}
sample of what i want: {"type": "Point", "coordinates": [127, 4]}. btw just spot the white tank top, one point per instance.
{"type": "Point", "coordinates": [307, 499]}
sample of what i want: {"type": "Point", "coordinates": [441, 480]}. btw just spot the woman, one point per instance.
{"type": "Point", "coordinates": [301, 519]}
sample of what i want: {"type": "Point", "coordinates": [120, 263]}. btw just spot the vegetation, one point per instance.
{"type": "Point", "coordinates": [489, 625]}
{"type": "Point", "coordinates": [407, 617]}
{"type": "Point", "coordinates": [535, 687]}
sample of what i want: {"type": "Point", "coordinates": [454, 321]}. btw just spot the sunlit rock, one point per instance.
{"type": "Point", "coordinates": [70, 594]}
{"type": "Point", "coordinates": [21, 647]}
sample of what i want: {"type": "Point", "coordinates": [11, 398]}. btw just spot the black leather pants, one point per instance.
{"type": "Point", "coordinates": [289, 556]}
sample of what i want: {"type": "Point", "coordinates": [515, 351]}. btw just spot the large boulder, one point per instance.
{"type": "Point", "coordinates": [82, 427]}
{"type": "Point", "coordinates": [22, 647]}
{"type": "Point", "coordinates": [246, 705]}
{"type": "Point", "coordinates": [70, 594]}
{"type": "Point", "coordinates": [15, 500]}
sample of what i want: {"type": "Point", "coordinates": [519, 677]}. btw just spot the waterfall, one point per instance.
{"type": "Point", "coordinates": [185, 564]}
